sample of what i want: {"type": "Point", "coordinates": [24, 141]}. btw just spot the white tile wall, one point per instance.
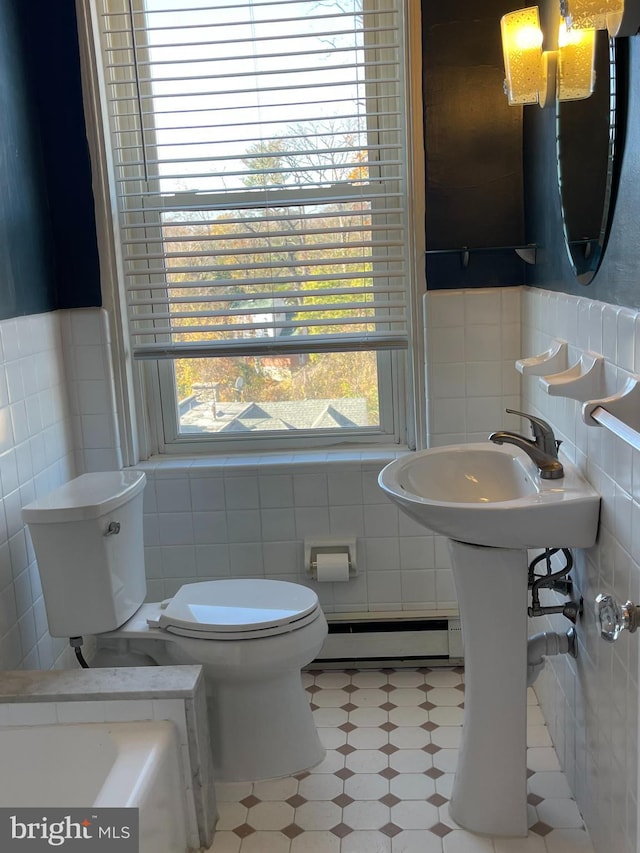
{"type": "Point", "coordinates": [591, 704]}
{"type": "Point", "coordinates": [205, 521]}
{"type": "Point", "coordinates": [473, 339]}
{"type": "Point", "coordinates": [57, 419]}
{"type": "Point", "coordinates": [90, 387]}
{"type": "Point", "coordinates": [36, 456]}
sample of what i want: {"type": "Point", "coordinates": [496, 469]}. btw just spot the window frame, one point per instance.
{"type": "Point", "coordinates": [147, 405]}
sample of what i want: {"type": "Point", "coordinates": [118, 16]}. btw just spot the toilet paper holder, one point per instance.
{"type": "Point", "coordinates": [315, 547]}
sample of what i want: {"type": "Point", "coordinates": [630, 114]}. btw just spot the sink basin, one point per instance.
{"type": "Point", "coordinates": [487, 494]}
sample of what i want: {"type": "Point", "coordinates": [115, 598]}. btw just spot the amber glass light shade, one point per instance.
{"type": "Point", "coordinates": [576, 59]}
{"type": "Point", "coordinates": [590, 14]}
{"type": "Point", "coordinates": [522, 51]}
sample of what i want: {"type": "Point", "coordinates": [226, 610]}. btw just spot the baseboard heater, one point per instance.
{"type": "Point", "coordinates": [376, 639]}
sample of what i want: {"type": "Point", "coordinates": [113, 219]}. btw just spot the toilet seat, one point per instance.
{"type": "Point", "coordinates": [238, 609]}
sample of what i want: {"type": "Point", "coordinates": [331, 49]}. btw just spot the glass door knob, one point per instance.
{"type": "Point", "coordinates": [613, 618]}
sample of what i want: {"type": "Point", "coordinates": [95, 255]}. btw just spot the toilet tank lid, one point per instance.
{"type": "Point", "coordinates": [85, 497]}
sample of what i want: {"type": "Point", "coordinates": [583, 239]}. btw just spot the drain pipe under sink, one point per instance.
{"type": "Point", "coordinates": [545, 644]}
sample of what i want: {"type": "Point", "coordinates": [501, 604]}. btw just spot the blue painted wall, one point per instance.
{"type": "Point", "coordinates": [491, 169]}
{"type": "Point", "coordinates": [48, 255]}
{"type": "Point", "coordinates": [473, 139]}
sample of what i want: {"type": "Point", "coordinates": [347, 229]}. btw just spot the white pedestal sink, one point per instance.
{"type": "Point", "coordinates": [492, 504]}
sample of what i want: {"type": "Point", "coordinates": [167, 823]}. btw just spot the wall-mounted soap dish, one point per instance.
{"type": "Point", "coordinates": [552, 360]}
{"type": "Point", "coordinates": [583, 381]}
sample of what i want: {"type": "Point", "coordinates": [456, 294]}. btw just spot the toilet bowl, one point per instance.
{"type": "Point", "coordinates": [251, 636]}
{"type": "Point", "coordinates": [252, 645]}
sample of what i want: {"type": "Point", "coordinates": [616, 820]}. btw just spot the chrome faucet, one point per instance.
{"type": "Point", "coordinates": [542, 450]}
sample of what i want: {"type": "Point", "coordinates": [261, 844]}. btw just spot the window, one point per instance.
{"type": "Point", "coordinates": [260, 166]}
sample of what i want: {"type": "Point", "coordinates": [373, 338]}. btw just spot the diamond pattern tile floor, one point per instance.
{"type": "Point", "coordinates": [392, 740]}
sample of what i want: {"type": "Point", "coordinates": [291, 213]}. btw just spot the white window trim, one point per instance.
{"type": "Point", "coordinates": [138, 399]}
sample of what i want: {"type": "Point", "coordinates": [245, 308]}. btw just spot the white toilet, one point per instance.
{"type": "Point", "coordinates": [251, 636]}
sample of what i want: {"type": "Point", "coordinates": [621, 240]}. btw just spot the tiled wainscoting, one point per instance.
{"type": "Point", "coordinates": [229, 517]}
{"type": "Point", "coordinates": [591, 704]}
{"type": "Point", "coordinates": [392, 742]}
{"type": "Point", "coordinates": [57, 420]}
{"type": "Point", "coordinates": [36, 456]}
{"type": "Point", "coordinates": [473, 340]}
{"type": "Point", "coordinates": [86, 341]}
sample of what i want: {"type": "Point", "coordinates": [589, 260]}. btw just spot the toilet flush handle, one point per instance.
{"type": "Point", "coordinates": [613, 618]}
{"type": "Point", "coordinates": [113, 528]}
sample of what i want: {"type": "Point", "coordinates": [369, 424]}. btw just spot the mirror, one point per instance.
{"type": "Point", "coordinates": [589, 138]}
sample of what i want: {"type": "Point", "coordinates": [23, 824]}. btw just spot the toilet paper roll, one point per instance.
{"type": "Point", "coordinates": [332, 567]}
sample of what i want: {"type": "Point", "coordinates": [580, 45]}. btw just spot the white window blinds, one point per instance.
{"type": "Point", "coordinates": [259, 152]}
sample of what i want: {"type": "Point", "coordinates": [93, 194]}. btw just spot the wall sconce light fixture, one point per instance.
{"type": "Point", "coordinates": [576, 63]}
{"type": "Point", "coordinates": [619, 17]}
{"type": "Point", "coordinates": [522, 51]}
{"type": "Point", "coordinates": [534, 76]}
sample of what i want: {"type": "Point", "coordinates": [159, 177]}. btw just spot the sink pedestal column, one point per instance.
{"type": "Point", "coordinates": [490, 788]}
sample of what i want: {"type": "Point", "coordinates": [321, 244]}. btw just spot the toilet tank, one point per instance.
{"type": "Point", "coordinates": [88, 542]}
